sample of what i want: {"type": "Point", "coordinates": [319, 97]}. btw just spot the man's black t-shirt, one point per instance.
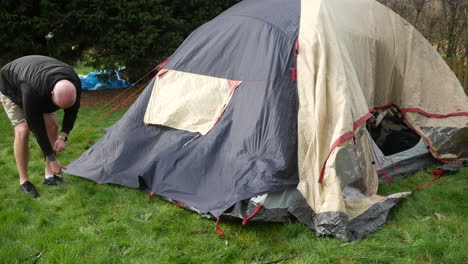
{"type": "Point", "coordinates": [28, 81]}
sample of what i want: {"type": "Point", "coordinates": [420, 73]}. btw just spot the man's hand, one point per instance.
{"type": "Point", "coordinates": [59, 145]}
{"type": "Point", "coordinates": [56, 166]}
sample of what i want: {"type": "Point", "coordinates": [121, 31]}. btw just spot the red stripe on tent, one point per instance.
{"type": "Point", "coordinates": [361, 121]}
{"type": "Point", "coordinates": [179, 204]}
{"type": "Point", "coordinates": [381, 107]}
{"type": "Point", "coordinates": [162, 64]}
{"type": "Point", "coordinates": [220, 232]}
{"type": "Point", "coordinates": [293, 74]}
{"type": "Point", "coordinates": [342, 139]}
{"type": "Point", "coordinates": [244, 221]}
{"type": "Point", "coordinates": [417, 110]}
{"type": "Point", "coordinates": [161, 72]}
{"type": "Point", "coordinates": [294, 70]}
{"type": "Point", "coordinates": [233, 85]}
{"type": "Point", "coordinates": [386, 176]}
{"type": "Point", "coordinates": [217, 120]}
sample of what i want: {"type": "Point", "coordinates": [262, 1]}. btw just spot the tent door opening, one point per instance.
{"type": "Point", "coordinates": [390, 133]}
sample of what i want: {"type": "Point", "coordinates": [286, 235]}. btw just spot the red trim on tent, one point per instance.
{"type": "Point", "coordinates": [233, 85]}
{"type": "Point", "coordinates": [293, 74]}
{"type": "Point", "coordinates": [337, 142]}
{"type": "Point", "coordinates": [179, 204]}
{"type": "Point", "coordinates": [294, 70]}
{"type": "Point", "coordinates": [361, 120]}
{"type": "Point", "coordinates": [218, 229]}
{"type": "Point", "coordinates": [217, 120]}
{"type": "Point", "coordinates": [342, 139]}
{"type": "Point", "coordinates": [162, 71]}
{"type": "Point", "coordinates": [244, 221]}
{"type": "Point", "coordinates": [381, 107]}
{"type": "Point", "coordinates": [417, 110]}
{"type": "Point", "coordinates": [386, 176]}
{"type": "Point", "coordinates": [163, 63]}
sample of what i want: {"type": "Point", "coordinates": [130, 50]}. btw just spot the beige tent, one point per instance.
{"type": "Point", "coordinates": [356, 56]}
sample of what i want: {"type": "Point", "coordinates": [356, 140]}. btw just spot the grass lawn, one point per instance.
{"type": "Point", "coordinates": [84, 70]}
{"type": "Point", "coordinates": [82, 222]}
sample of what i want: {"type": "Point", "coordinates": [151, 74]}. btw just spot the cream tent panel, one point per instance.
{"type": "Point", "coordinates": [188, 101]}
{"type": "Point", "coordinates": [331, 100]}
{"type": "Point", "coordinates": [355, 55]}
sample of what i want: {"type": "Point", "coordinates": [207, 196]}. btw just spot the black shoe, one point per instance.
{"type": "Point", "coordinates": [28, 188]}
{"type": "Point", "coordinates": [54, 180]}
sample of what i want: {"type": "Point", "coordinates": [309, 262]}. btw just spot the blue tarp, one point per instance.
{"type": "Point", "coordinates": [106, 79]}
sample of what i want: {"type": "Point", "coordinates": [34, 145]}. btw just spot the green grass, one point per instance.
{"type": "Point", "coordinates": [84, 70]}
{"type": "Point", "coordinates": [82, 222]}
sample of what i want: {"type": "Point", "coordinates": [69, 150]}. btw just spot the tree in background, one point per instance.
{"type": "Point", "coordinates": [454, 26]}
{"type": "Point", "coordinates": [106, 34]}
{"type": "Point", "coordinates": [18, 22]}
{"type": "Point", "coordinates": [443, 22]}
{"type": "Point", "coordinates": [138, 34]}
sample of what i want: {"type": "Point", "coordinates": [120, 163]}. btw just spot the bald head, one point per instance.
{"type": "Point", "coordinates": [64, 94]}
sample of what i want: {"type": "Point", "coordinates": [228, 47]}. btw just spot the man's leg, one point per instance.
{"type": "Point", "coordinates": [52, 130]}
{"type": "Point", "coordinates": [21, 143]}
{"type": "Point", "coordinates": [21, 150]}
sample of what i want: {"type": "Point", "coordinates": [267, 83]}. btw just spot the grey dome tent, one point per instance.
{"type": "Point", "coordinates": [279, 109]}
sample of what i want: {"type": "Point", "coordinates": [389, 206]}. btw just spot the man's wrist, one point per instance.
{"type": "Point", "coordinates": [64, 138]}
{"type": "Point", "coordinates": [51, 157]}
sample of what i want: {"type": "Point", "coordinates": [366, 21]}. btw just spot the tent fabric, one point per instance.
{"type": "Point", "coordinates": [250, 151]}
{"type": "Point", "coordinates": [276, 134]}
{"type": "Point", "coordinates": [402, 163]}
{"type": "Point", "coordinates": [405, 167]}
{"type": "Point", "coordinates": [356, 55]}
{"type": "Point", "coordinates": [188, 101]}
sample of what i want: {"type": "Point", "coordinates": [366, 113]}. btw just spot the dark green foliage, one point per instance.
{"type": "Point", "coordinates": [101, 33]}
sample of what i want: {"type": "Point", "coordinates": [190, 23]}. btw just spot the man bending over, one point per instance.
{"type": "Point", "coordinates": [32, 89]}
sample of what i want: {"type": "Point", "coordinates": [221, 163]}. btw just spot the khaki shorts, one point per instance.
{"type": "Point", "coordinates": [14, 112]}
